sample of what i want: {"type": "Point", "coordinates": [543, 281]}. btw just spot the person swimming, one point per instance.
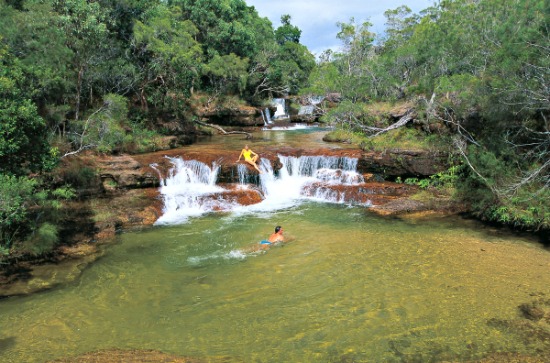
{"type": "Point", "coordinates": [265, 244]}
{"type": "Point", "coordinates": [250, 157]}
{"type": "Point", "coordinates": [277, 236]}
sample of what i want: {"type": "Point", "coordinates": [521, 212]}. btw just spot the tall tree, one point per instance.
{"type": "Point", "coordinates": [287, 32]}
{"type": "Point", "coordinates": [85, 28]}
{"type": "Point", "coordinates": [169, 55]}
{"type": "Point", "coordinates": [23, 147]}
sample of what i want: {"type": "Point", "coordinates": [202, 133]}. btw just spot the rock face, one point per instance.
{"type": "Point", "coordinates": [404, 163]}
{"type": "Point", "coordinates": [231, 116]}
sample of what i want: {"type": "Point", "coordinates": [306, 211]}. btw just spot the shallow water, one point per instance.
{"type": "Point", "coordinates": [350, 285]}
{"type": "Point", "coordinates": [303, 137]}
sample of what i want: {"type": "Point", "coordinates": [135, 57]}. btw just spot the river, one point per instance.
{"type": "Point", "coordinates": [348, 286]}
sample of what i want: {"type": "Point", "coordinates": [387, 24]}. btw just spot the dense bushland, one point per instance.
{"type": "Point", "coordinates": [478, 73]}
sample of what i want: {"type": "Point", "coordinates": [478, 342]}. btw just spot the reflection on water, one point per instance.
{"type": "Point", "coordinates": [350, 287]}
{"type": "Point", "coordinates": [310, 137]}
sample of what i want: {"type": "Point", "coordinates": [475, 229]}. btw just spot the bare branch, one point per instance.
{"type": "Point", "coordinates": [248, 135]}
{"type": "Point", "coordinates": [402, 122]}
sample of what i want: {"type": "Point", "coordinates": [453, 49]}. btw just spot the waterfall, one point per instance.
{"type": "Point", "coordinates": [281, 112]}
{"type": "Point", "coordinates": [187, 191]}
{"type": "Point", "coordinates": [268, 116]}
{"type": "Point", "coordinates": [242, 171]}
{"type": "Point", "coordinates": [190, 189]}
{"type": "Point", "coordinates": [315, 100]}
{"type": "Point", "coordinates": [309, 109]}
{"type": "Point", "coordinates": [306, 177]}
{"type": "Point", "coordinates": [306, 110]}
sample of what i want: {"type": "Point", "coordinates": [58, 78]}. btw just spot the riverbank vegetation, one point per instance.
{"type": "Point", "coordinates": [477, 73]}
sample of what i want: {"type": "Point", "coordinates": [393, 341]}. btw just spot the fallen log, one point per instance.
{"type": "Point", "coordinates": [222, 131]}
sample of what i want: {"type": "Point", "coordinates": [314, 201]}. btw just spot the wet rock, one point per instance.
{"type": "Point", "coordinates": [531, 311]}
{"type": "Point", "coordinates": [400, 206]}
{"type": "Point", "coordinates": [137, 356]}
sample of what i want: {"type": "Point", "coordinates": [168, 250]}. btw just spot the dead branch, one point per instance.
{"type": "Point", "coordinates": [222, 131]}
{"type": "Point", "coordinates": [402, 122]}
{"type": "Point", "coordinates": [82, 146]}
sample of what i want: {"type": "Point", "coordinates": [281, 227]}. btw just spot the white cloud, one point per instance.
{"type": "Point", "coordinates": [317, 19]}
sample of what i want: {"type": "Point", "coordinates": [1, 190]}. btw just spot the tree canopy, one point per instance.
{"type": "Point", "coordinates": [481, 68]}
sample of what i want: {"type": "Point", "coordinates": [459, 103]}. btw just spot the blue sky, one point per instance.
{"type": "Point", "coordinates": [317, 19]}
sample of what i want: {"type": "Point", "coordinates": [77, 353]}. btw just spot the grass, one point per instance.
{"type": "Point", "coordinates": [404, 138]}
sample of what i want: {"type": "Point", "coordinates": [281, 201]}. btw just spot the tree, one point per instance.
{"type": "Point", "coordinates": [227, 73]}
{"type": "Point", "coordinates": [169, 55]}
{"type": "Point", "coordinates": [224, 26]}
{"type": "Point", "coordinates": [287, 32]}
{"type": "Point", "coordinates": [23, 147]}
{"type": "Point", "coordinates": [85, 28]}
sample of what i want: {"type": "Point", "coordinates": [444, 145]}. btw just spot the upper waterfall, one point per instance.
{"type": "Point", "coordinates": [281, 111]}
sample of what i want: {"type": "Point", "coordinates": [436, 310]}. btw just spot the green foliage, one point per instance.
{"type": "Point", "coordinates": [42, 241]}
{"type": "Point", "coordinates": [405, 138]}
{"type": "Point", "coordinates": [227, 73]}
{"type": "Point", "coordinates": [444, 180]}
{"type": "Point", "coordinates": [23, 147]}
{"type": "Point", "coordinates": [29, 214]}
{"type": "Point", "coordinates": [172, 57]}
{"type": "Point", "coordinates": [479, 71]}
{"type": "Point", "coordinates": [225, 26]}
{"type": "Point", "coordinates": [287, 32]}
{"type": "Point", "coordinates": [15, 198]}
{"type": "Point", "coordinates": [77, 174]}
{"type": "Point", "coordinates": [103, 129]}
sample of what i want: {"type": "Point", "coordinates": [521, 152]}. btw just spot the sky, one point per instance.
{"type": "Point", "coordinates": [317, 18]}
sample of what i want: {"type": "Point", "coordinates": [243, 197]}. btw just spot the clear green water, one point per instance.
{"type": "Point", "coordinates": [351, 286]}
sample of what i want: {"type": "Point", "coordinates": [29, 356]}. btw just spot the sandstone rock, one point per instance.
{"type": "Point", "coordinates": [403, 163]}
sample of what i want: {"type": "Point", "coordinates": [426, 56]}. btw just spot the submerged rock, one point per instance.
{"type": "Point", "coordinates": [137, 356]}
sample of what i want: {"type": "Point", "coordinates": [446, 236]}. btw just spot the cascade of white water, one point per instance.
{"type": "Point", "coordinates": [263, 118]}
{"type": "Point", "coordinates": [315, 173]}
{"type": "Point", "coordinates": [315, 100]}
{"type": "Point", "coordinates": [191, 190]}
{"type": "Point", "coordinates": [267, 113]}
{"type": "Point", "coordinates": [280, 103]}
{"type": "Point", "coordinates": [242, 171]}
{"type": "Point", "coordinates": [186, 190]}
{"type": "Point", "coordinates": [306, 110]}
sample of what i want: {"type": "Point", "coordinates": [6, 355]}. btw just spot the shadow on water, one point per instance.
{"type": "Point", "coordinates": [6, 343]}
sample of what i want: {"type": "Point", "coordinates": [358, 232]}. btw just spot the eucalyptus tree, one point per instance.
{"type": "Point", "coordinates": [397, 60]}
{"type": "Point", "coordinates": [39, 45]}
{"type": "Point", "coordinates": [84, 24]}
{"type": "Point", "coordinates": [287, 32]}
{"type": "Point", "coordinates": [169, 57]}
{"type": "Point", "coordinates": [283, 64]}
{"type": "Point", "coordinates": [23, 147]}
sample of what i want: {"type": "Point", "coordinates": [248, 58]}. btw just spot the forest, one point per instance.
{"type": "Point", "coordinates": [101, 76]}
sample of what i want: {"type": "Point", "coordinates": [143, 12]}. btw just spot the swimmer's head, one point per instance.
{"type": "Point", "coordinates": [278, 228]}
